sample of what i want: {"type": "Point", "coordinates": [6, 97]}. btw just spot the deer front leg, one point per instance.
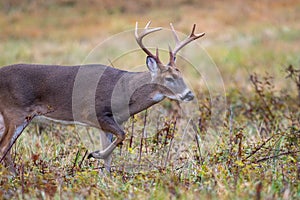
{"type": "Point", "coordinates": [106, 140]}
{"type": "Point", "coordinates": [109, 125]}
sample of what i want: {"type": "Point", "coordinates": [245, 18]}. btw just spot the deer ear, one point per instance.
{"type": "Point", "coordinates": [152, 65]}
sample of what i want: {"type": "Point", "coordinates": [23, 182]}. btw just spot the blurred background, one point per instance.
{"type": "Point", "coordinates": [241, 36]}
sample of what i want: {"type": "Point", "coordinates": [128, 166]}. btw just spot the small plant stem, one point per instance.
{"type": "Point", "coordinates": [22, 179]}
{"type": "Point", "coordinates": [259, 147]}
{"type": "Point", "coordinates": [85, 154]}
{"type": "Point", "coordinates": [171, 142]}
{"type": "Point", "coordinates": [75, 161]}
{"type": "Point", "coordinates": [278, 155]}
{"type": "Point", "coordinates": [142, 137]}
{"type": "Point", "coordinates": [132, 130]}
{"type": "Point", "coordinates": [157, 131]}
{"type": "Point", "coordinates": [197, 132]}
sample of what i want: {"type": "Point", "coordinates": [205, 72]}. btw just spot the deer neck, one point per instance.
{"type": "Point", "coordinates": [136, 93]}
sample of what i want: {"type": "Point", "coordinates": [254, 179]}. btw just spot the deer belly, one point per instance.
{"type": "Point", "coordinates": [47, 120]}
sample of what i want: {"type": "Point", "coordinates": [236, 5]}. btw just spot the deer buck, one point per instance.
{"type": "Point", "coordinates": [28, 90]}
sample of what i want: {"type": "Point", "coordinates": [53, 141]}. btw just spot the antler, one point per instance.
{"type": "Point", "coordinates": [140, 37]}
{"type": "Point", "coordinates": [181, 44]}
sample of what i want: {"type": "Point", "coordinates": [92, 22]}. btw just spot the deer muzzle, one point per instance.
{"type": "Point", "coordinates": [189, 96]}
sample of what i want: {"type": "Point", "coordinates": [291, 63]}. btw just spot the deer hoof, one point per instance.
{"type": "Point", "coordinates": [97, 155]}
{"type": "Point", "coordinates": [90, 156]}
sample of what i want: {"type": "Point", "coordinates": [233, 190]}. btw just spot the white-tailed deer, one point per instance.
{"type": "Point", "coordinates": [28, 90]}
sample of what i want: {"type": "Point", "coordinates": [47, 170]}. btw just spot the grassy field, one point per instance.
{"type": "Point", "coordinates": [239, 139]}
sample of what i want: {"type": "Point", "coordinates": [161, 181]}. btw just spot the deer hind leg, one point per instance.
{"type": "Point", "coordinates": [7, 160]}
{"type": "Point", "coordinates": [11, 131]}
{"type": "Point", "coordinates": [5, 144]}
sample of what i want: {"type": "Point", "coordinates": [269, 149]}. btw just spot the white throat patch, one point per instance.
{"type": "Point", "coordinates": [158, 97]}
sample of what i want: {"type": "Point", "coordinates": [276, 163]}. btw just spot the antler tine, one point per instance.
{"type": "Point", "coordinates": [157, 52]}
{"type": "Point", "coordinates": [175, 34]}
{"type": "Point", "coordinates": [172, 56]}
{"type": "Point", "coordinates": [193, 30]}
{"type": "Point", "coordinates": [147, 25]}
{"type": "Point", "coordinates": [180, 45]}
{"type": "Point", "coordinates": [140, 37]}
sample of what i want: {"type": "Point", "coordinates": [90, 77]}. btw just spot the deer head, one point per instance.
{"type": "Point", "coordinates": [168, 76]}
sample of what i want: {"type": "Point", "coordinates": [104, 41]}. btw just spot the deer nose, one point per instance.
{"type": "Point", "coordinates": [188, 96]}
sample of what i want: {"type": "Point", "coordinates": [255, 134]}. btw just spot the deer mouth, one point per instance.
{"type": "Point", "coordinates": [189, 96]}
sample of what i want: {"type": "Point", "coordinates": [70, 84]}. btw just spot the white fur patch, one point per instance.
{"type": "Point", "coordinates": [185, 92]}
{"type": "Point", "coordinates": [43, 119]}
{"type": "Point", "coordinates": [2, 126]}
{"type": "Point", "coordinates": [158, 97]}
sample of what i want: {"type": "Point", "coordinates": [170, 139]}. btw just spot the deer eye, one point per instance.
{"type": "Point", "coordinates": [169, 79]}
